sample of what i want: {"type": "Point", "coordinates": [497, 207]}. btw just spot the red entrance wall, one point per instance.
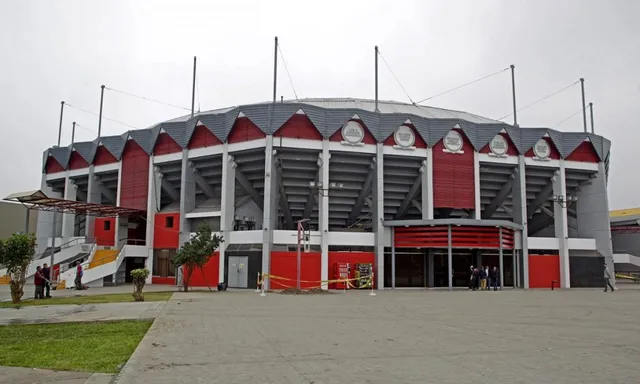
{"type": "Point", "coordinates": [284, 264]}
{"type": "Point", "coordinates": [211, 271]}
{"type": "Point", "coordinates": [543, 269]}
{"type": "Point", "coordinates": [163, 236]}
{"type": "Point", "coordinates": [453, 176]}
{"type": "Point", "coordinates": [135, 177]}
{"type": "Point", "coordinates": [351, 258]}
{"type": "Point", "coordinates": [163, 280]}
{"type": "Point", "coordinates": [104, 237]}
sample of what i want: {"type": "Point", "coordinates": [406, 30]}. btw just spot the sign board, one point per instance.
{"type": "Point", "coordinates": [453, 141]}
{"type": "Point", "coordinates": [404, 137]}
{"type": "Point", "coordinates": [542, 150]}
{"type": "Point", "coordinates": [352, 133]}
{"type": "Point", "coordinates": [498, 145]}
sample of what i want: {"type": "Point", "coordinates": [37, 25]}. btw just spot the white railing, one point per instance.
{"type": "Point", "coordinates": [59, 258]}
{"type": "Point", "coordinates": [626, 258]}
{"type": "Point", "coordinates": [93, 274]}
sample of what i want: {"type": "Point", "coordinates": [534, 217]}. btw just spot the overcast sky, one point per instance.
{"type": "Point", "coordinates": [64, 50]}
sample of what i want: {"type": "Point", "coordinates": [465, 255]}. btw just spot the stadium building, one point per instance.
{"type": "Point", "coordinates": [420, 193]}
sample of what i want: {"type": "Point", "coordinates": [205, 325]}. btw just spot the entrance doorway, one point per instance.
{"type": "Point", "coordinates": [238, 271]}
{"type": "Point", "coordinates": [461, 260]}
{"type": "Point", "coordinates": [132, 263]}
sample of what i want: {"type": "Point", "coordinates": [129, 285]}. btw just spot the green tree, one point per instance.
{"type": "Point", "coordinates": [139, 277]}
{"type": "Point", "coordinates": [195, 253]}
{"type": "Point", "coordinates": [16, 253]}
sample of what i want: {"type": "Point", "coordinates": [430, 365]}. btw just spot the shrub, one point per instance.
{"type": "Point", "coordinates": [139, 276]}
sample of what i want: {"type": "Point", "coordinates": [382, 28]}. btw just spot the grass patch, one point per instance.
{"type": "Point", "coordinates": [85, 347]}
{"type": "Point", "coordinates": [90, 299]}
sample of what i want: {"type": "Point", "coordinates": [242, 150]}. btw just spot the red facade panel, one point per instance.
{"type": "Point", "coordinates": [105, 231]}
{"type": "Point", "coordinates": [543, 269]}
{"type": "Point", "coordinates": [163, 280]}
{"type": "Point", "coordinates": [368, 137]}
{"type": "Point", "coordinates": [103, 156]}
{"type": "Point", "coordinates": [211, 270]}
{"type": "Point", "coordinates": [166, 145]}
{"type": "Point", "coordinates": [461, 237]}
{"type": "Point", "coordinates": [511, 151]}
{"type": "Point", "coordinates": [202, 138]}
{"type": "Point", "coordinates": [77, 162]}
{"type": "Point", "coordinates": [284, 264]}
{"type": "Point", "coordinates": [418, 144]}
{"type": "Point", "coordinates": [244, 130]}
{"type": "Point", "coordinates": [52, 166]}
{"type": "Point", "coordinates": [135, 177]}
{"type": "Point", "coordinates": [555, 155]}
{"type": "Point", "coordinates": [584, 153]}
{"type": "Point", "coordinates": [299, 127]}
{"type": "Point", "coordinates": [166, 231]}
{"type": "Point", "coordinates": [453, 176]}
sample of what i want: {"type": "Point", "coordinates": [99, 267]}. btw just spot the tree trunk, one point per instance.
{"type": "Point", "coordinates": [205, 279]}
{"type": "Point", "coordinates": [16, 284]}
{"type": "Point", "coordinates": [187, 277]}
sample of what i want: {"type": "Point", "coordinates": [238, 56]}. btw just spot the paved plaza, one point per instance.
{"type": "Point", "coordinates": [402, 336]}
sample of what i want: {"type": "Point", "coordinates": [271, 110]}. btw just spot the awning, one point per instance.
{"type": "Point", "coordinates": [40, 201]}
{"type": "Point", "coordinates": [459, 222]}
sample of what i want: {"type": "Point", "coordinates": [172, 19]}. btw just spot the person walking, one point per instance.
{"type": "Point", "coordinates": [78, 280]}
{"type": "Point", "coordinates": [607, 279]}
{"type": "Point", "coordinates": [483, 278]}
{"type": "Point", "coordinates": [492, 277]}
{"type": "Point", "coordinates": [496, 278]}
{"type": "Point", "coordinates": [46, 283]}
{"type": "Point", "coordinates": [471, 283]}
{"type": "Point", "coordinates": [37, 281]}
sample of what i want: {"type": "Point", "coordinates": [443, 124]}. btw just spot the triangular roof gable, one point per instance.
{"type": "Point", "coordinates": [176, 130]}
{"type": "Point", "coordinates": [299, 118]}
{"type": "Point", "coordinates": [165, 144]}
{"type": "Point", "coordinates": [388, 125]}
{"type": "Point", "coordinates": [86, 149]}
{"type": "Point", "coordinates": [145, 138]}
{"type": "Point", "coordinates": [438, 129]}
{"type": "Point", "coordinates": [259, 116]}
{"type": "Point", "coordinates": [52, 165]}
{"type": "Point", "coordinates": [202, 137]}
{"type": "Point", "coordinates": [368, 136]}
{"type": "Point", "coordinates": [244, 129]}
{"type": "Point", "coordinates": [510, 143]}
{"type": "Point", "coordinates": [61, 154]}
{"type": "Point", "coordinates": [318, 117]}
{"type": "Point", "coordinates": [76, 161]}
{"type": "Point", "coordinates": [419, 141]}
{"type": "Point", "coordinates": [113, 144]}
{"type": "Point", "coordinates": [573, 140]}
{"type": "Point", "coordinates": [458, 128]}
{"type": "Point", "coordinates": [486, 132]}
{"type": "Point", "coordinates": [281, 114]}
{"type": "Point", "coordinates": [336, 118]}
{"type": "Point", "coordinates": [530, 137]}
{"type": "Point", "coordinates": [219, 124]}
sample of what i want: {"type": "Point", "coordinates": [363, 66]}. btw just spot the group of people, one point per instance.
{"type": "Point", "coordinates": [42, 281]}
{"type": "Point", "coordinates": [484, 278]}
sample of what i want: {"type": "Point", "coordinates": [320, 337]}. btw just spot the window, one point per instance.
{"type": "Point", "coordinates": [162, 265]}
{"type": "Point", "coordinates": [107, 225]}
{"type": "Point", "coordinates": [169, 222]}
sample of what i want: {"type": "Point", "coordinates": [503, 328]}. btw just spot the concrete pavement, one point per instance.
{"type": "Point", "coordinates": [575, 336]}
{"type": "Point", "coordinates": [17, 375]}
{"type": "Point", "coordinates": [41, 314]}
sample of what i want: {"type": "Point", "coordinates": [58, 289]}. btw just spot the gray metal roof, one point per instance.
{"type": "Point", "coordinates": [87, 150]}
{"type": "Point", "coordinates": [328, 115]}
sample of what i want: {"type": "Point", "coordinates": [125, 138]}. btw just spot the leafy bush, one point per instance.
{"type": "Point", "coordinates": [196, 253]}
{"type": "Point", "coordinates": [16, 253]}
{"type": "Point", "coordinates": [139, 277]}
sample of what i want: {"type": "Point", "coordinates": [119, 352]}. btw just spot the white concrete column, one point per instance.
{"type": "Point", "coordinates": [153, 199]}
{"type": "Point", "coordinates": [561, 225]}
{"type": "Point", "coordinates": [228, 195]}
{"type": "Point", "coordinates": [270, 212]}
{"type": "Point", "coordinates": [378, 214]}
{"type": "Point", "coordinates": [323, 213]}
{"type": "Point", "coordinates": [118, 195]}
{"type": "Point", "coordinates": [427, 188]}
{"type": "Point", "coordinates": [519, 193]}
{"type": "Point", "coordinates": [94, 196]}
{"type": "Point", "coordinates": [187, 197]}
{"type": "Point", "coordinates": [69, 219]}
{"type": "Point", "coordinates": [593, 214]}
{"type": "Point", "coordinates": [45, 220]}
{"type": "Point", "coordinates": [476, 176]}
